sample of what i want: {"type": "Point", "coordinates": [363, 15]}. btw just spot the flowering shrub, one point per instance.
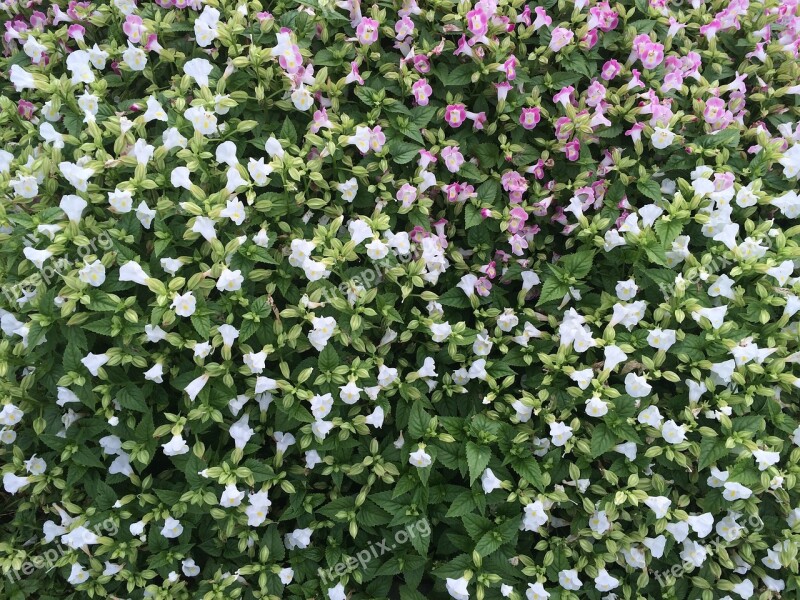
{"type": "Point", "coordinates": [515, 281]}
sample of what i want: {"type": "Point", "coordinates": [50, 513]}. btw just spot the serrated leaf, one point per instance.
{"type": "Point", "coordinates": [477, 459]}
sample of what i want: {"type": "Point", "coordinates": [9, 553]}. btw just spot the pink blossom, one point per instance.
{"type": "Point", "coordinates": [320, 120]}
{"type": "Point", "coordinates": [595, 94]}
{"type": "Point", "coordinates": [510, 68]}
{"type": "Point", "coordinates": [517, 218]}
{"type": "Point", "coordinates": [455, 114]}
{"type": "Point", "coordinates": [564, 96]}
{"type": "Point", "coordinates": [76, 32]}
{"type": "Point", "coordinates": [426, 158]}
{"type": "Point", "coordinates": [573, 150]}
{"type": "Point", "coordinates": [525, 16]}
{"type": "Point", "coordinates": [542, 18]}
{"type": "Point", "coordinates": [26, 109]}
{"type": "Point", "coordinates": [404, 28]}
{"type": "Point", "coordinates": [406, 195]}
{"type": "Point", "coordinates": [502, 90]}
{"type": "Point", "coordinates": [530, 117]}
{"type": "Point", "coordinates": [133, 28]}
{"type": "Point", "coordinates": [477, 22]}
{"type": "Point", "coordinates": [354, 75]}
{"type": "Point", "coordinates": [651, 55]}
{"type": "Point", "coordinates": [422, 91]}
{"type": "Point", "coordinates": [376, 139]}
{"type": "Point", "coordinates": [560, 38]}
{"type": "Point", "coordinates": [367, 31]}
{"type": "Point", "coordinates": [422, 63]}
{"type": "Point", "coordinates": [589, 40]}
{"type": "Point", "coordinates": [714, 110]}
{"type": "Point", "coordinates": [610, 70]}
{"type": "Point", "coordinates": [518, 244]}
{"type": "Point", "coordinates": [483, 286]}
{"type": "Point", "coordinates": [453, 159]}
{"type": "Point", "coordinates": [603, 17]}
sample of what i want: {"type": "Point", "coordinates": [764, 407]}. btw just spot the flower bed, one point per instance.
{"type": "Point", "coordinates": [344, 300]}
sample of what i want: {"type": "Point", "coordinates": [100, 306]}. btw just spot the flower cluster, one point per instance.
{"type": "Point", "coordinates": [526, 272]}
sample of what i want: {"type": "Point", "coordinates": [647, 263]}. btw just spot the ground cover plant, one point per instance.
{"type": "Point", "coordinates": [407, 300]}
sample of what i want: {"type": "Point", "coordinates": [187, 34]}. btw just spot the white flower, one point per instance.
{"type": "Point", "coordinates": [121, 201]}
{"type": "Point", "coordinates": [13, 483]}
{"type": "Point", "coordinates": [172, 528]}
{"type": "Point", "coordinates": [490, 482]}
{"type": "Point", "coordinates": [568, 579]}
{"type": "Point", "coordinates": [420, 459]}
{"type": "Point", "coordinates": [73, 206]}
{"type": "Point", "coordinates": [94, 274]}
{"type": "Point", "coordinates": [189, 567]}
{"type": "Point", "coordinates": [135, 58]}
{"type": "Point", "coordinates": [133, 271]}
{"type": "Point", "coordinates": [184, 304]}
{"type": "Point", "coordinates": [299, 538]}
{"type": "Point", "coordinates": [155, 373]}
{"type": "Point", "coordinates": [661, 138]}
{"type": "Point", "coordinates": [228, 333]}
{"type": "Point", "coordinates": [230, 281]}
{"type": "Point", "coordinates": [701, 524]}
{"type": "Point", "coordinates": [322, 332]}
{"type": "Point", "coordinates": [198, 69]}
{"type": "Point", "coordinates": [440, 331]}
{"type": "Point", "coordinates": [234, 210]}
{"type": "Point", "coordinates": [375, 418]}
{"type": "Point", "coordinates": [205, 227]}
{"type": "Point", "coordinates": [241, 432]}
{"type": "Point", "coordinates": [765, 459]}
{"type": "Point", "coordinates": [203, 121]}
{"type": "Point", "coordinates": [605, 582]}
{"type": "Point", "coordinates": [534, 517]}
{"type": "Point", "coordinates": [673, 433]}
{"type": "Point", "coordinates": [93, 362]}
{"type": "Point", "coordinates": [536, 591]}
{"type": "Point", "coordinates": [735, 491]}
{"type": "Point", "coordinates": [457, 588]}
{"type": "Point", "coordinates": [145, 215]}
{"type": "Point", "coordinates": [231, 496]}
{"type": "Point", "coordinates": [560, 433]}
{"type": "Point", "coordinates": [21, 79]}
{"type": "Point", "coordinates": [196, 386]}
{"type": "Point", "coordinates": [315, 270]}
{"type": "Point", "coordinates": [337, 592]}
{"type": "Point", "coordinates": [176, 446]}
{"type": "Point", "coordinates": [10, 415]}
{"type": "Point", "coordinates": [659, 505]}
{"type": "Point", "coordinates": [661, 339]}
{"type": "Point", "coordinates": [286, 575]}
{"type": "Point", "coordinates": [636, 386]}
{"type": "Point", "coordinates": [77, 574]}
{"type": "Point", "coordinates": [650, 416]}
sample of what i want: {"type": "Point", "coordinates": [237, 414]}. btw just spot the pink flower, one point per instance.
{"type": "Point", "coordinates": [76, 32]}
{"type": "Point", "coordinates": [564, 96]}
{"type": "Point", "coordinates": [573, 150]}
{"type": "Point", "coordinates": [477, 22]}
{"type": "Point", "coordinates": [367, 31]}
{"type": "Point", "coordinates": [560, 38]}
{"type": "Point", "coordinates": [651, 55]}
{"type": "Point", "coordinates": [610, 69]}
{"type": "Point", "coordinates": [406, 195]}
{"type": "Point", "coordinates": [478, 119]}
{"type": "Point", "coordinates": [518, 244]}
{"type": "Point", "coordinates": [426, 158]}
{"type": "Point", "coordinates": [354, 75]}
{"type": "Point", "coordinates": [525, 16]}
{"type": "Point", "coordinates": [152, 44]}
{"type": "Point", "coordinates": [403, 28]}
{"type": "Point", "coordinates": [453, 159]}
{"type": "Point", "coordinates": [589, 40]}
{"type": "Point", "coordinates": [542, 19]}
{"type": "Point", "coordinates": [320, 120]}
{"type": "Point", "coordinates": [530, 117]}
{"type": "Point", "coordinates": [516, 219]}
{"type": "Point", "coordinates": [422, 63]}
{"type": "Point", "coordinates": [452, 191]}
{"type": "Point", "coordinates": [133, 28]}
{"type": "Point", "coordinates": [455, 114]}
{"type": "Point", "coordinates": [601, 16]}
{"type": "Point", "coordinates": [483, 286]}
{"type": "Point", "coordinates": [510, 68]}
{"type": "Point", "coordinates": [376, 139]}
{"type": "Point", "coordinates": [463, 47]}
{"type": "Point", "coordinates": [422, 92]}
{"type": "Point", "coordinates": [26, 109]}
{"type": "Point", "coordinates": [502, 90]}
{"type": "Point", "coordinates": [714, 111]}
{"type": "Point", "coordinates": [595, 94]}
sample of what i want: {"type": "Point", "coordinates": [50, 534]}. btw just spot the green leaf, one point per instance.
{"type": "Point", "coordinates": [472, 216]}
{"type": "Point", "coordinates": [488, 543]}
{"type": "Point", "coordinates": [477, 459]}
{"type": "Point", "coordinates": [454, 298]}
{"type": "Point", "coordinates": [603, 440]}
{"type": "Point", "coordinates": [649, 189]}
{"type": "Point", "coordinates": [328, 359]}
{"type": "Point", "coordinates": [552, 290]}
{"type": "Point", "coordinates": [668, 230]}
{"type": "Point", "coordinates": [418, 420]}
{"type": "Point", "coordinates": [288, 131]}
{"type": "Point", "coordinates": [712, 449]}
{"type": "Point", "coordinates": [579, 264]}
{"type": "Point", "coordinates": [529, 469]}
{"type": "Point", "coordinates": [132, 398]}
